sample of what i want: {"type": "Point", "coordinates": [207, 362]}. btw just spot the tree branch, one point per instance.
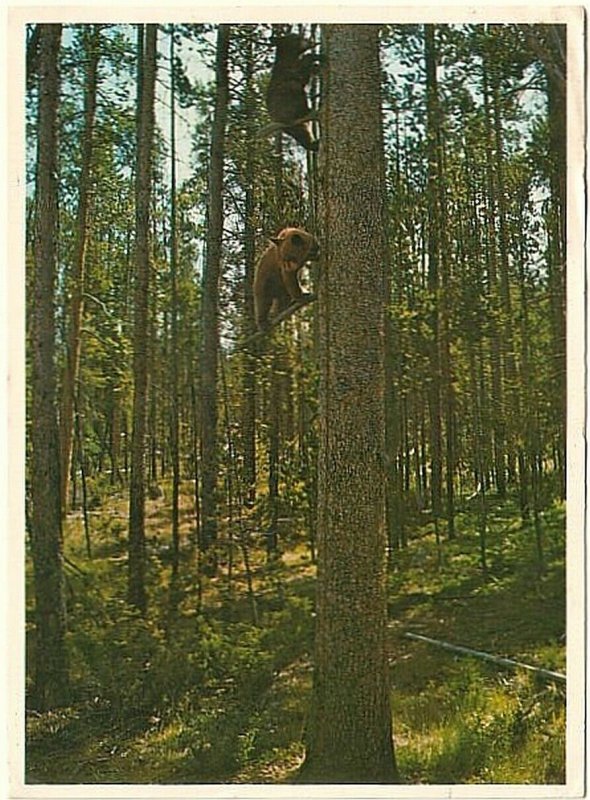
{"type": "Point", "coordinates": [281, 317]}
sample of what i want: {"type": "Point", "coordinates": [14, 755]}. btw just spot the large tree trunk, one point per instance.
{"type": "Point", "coordinates": [70, 377]}
{"type": "Point", "coordinates": [50, 666]}
{"type": "Point", "coordinates": [210, 303]}
{"type": "Point", "coordinates": [147, 78]}
{"type": "Point", "coordinates": [350, 734]}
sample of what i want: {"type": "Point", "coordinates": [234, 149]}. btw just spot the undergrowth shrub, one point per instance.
{"type": "Point", "coordinates": [127, 662]}
{"type": "Point", "coordinates": [131, 665]}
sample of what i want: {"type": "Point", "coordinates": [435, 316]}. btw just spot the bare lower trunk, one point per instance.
{"type": "Point", "coordinates": [350, 734]}
{"type": "Point", "coordinates": [210, 303]}
{"type": "Point", "coordinates": [136, 581]}
{"type": "Point", "coordinates": [50, 667]}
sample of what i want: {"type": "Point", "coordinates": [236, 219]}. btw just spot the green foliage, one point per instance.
{"type": "Point", "coordinates": [484, 729]}
{"type": "Point", "coordinates": [212, 699]}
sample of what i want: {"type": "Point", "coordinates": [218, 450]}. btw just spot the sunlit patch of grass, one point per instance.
{"type": "Point", "coordinates": [494, 730]}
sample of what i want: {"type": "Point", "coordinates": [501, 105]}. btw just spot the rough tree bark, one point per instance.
{"type": "Point", "coordinates": [78, 278]}
{"type": "Point", "coordinates": [50, 666]}
{"type": "Point", "coordinates": [147, 77]}
{"type": "Point", "coordinates": [210, 302]}
{"type": "Point", "coordinates": [349, 731]}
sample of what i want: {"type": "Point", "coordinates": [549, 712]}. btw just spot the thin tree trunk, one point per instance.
{"type": "Point", "coordinates": [147, 76]}
{"type": "Point", "coordinates": [393, 509]}
{"type": "Point", "coordinates": [445, 257]}
{"type": "Point", "coordinates": [350, 732]}
{"type": "Point", "coordinates": [274, 445]}
{"type": "Point", "coordinates": [513, 405]}
{"type": "Point", "coordinates": [479, 453]}
{"type": "Point", "coordinates": [115, 436]}
{"type": "Point", "coordinates": [50, 667]}
{"type": "Point", "coordinates": [78, 277]}
{"type": "Point", "coordinates": [233, 486]}
{"type": "Point", "coordinates": [434, 395]}
{"type": "Point", "coordinates": [531, 424]}
{"type": "Point", "coordinates": [556, 73]}
{"type": "Point", "coordinates": [210, 305]}
{"type": "Point", "coordinates": [250, 360]}
{"type": "Point", "coordinates": [525, 450]}
{"type": "Point", "coordinates": [498, 405]}
{"type": "Point", "coordinates": [197, 495]}
{"type": "Point", "coordinates": [434, 400]}
{"type": "Point", "coordinates": [175, 348]}
{"type": "Point", "coordinates": [82, 465]}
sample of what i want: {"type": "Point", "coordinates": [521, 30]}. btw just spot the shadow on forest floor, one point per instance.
{"type": "Point", "coordinates": [221, 700]}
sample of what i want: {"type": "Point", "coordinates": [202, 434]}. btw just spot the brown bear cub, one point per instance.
{"type": "Point", "coordinates": [286, 99]}
{"type": "Point", "coordinates": [276, 284]}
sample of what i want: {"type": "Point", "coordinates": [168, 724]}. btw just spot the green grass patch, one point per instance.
{"type": "Point", "coordinates": [207, 696]}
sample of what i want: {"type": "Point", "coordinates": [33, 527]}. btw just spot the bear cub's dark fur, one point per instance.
{"type": "Point", "coordinates": [286, 98]}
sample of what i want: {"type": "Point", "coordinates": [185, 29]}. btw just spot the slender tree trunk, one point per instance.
{"type": "Point", "coordinates": [394, 371]}
{"type": "Point", "coordinates": [210, 304]}
{"type": "Point", "coordinates": [250, 360]}
{"type": "Point", "coordinates": [147, 76]}
{"type": "Point", "coordinates": [115, 435]}
{"type": "Point", "coordinates": [393, 505]}
{"type": "Point", "coordinates": [442, 222]}
{"type": "Point", "coordinates": [479, 459]}
{"type": "Point", "coordinates": [196, 495]}
{"type": "Point", "coordinates": [50, 666]}
{"type": "Point", "coordinates": [175, 346]}
{"type": "Point", "coordinates": [350, 733]}
{"type": "Point", "coordinates": [277, 365]}
{"type": "Point", "coordinates": [82, 464]}
{"type": "Point", "coordinates": [274, 445]}
{"type": "Point", "coordinates": [556, 71]}
{"type": "Point", "coordinates": [498, 405]}
{"type": "Point", "coordinates": [513, 405]}
{"type": "Point", "coordinates": [434, 398]}
{"type": "Point", "coordinates": [531, 424]}
{"type": "Point", "coordinates": [78, 277]}
{"type": "Point", "coordinates": [153, 446]}
{"type": "Point", "coordinates": [525, 451]}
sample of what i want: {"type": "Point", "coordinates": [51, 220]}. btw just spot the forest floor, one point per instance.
{"type": "Point", "coordinates": [218, 693]}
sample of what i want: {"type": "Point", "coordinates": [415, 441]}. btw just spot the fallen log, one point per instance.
{"type": "Point", "coordinates": [504, 662]}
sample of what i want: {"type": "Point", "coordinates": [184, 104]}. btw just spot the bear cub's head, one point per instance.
{"type": "Point", "coordinates": [296, 246]}
{"type": "Point", "coordinates": [291, 46]}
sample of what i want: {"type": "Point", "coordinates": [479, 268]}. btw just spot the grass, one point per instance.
{"type": "Point", "coordinates": [213, 698]}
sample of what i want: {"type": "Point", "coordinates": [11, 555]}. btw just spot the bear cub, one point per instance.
{"type": "Point", "coordinates": [276, 283]}
{"type": "Point", "coordinates": [286, 98]}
